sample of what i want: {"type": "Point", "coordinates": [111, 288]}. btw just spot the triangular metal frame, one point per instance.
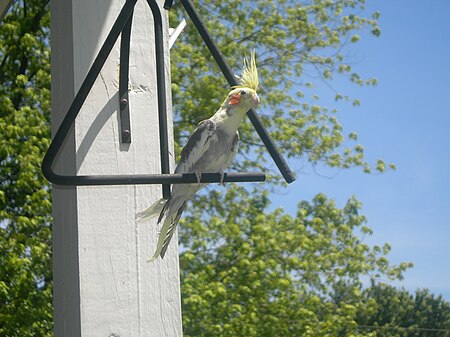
{"type": "Point", "coordinates": [122, 26]}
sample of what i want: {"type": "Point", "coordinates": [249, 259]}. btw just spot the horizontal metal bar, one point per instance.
{"type": "Point", "coordinates": [184, 178]}
{"type": "Point", "coordinates": [228, 73]}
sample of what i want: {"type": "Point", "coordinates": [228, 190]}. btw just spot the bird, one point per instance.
{"type": "Point", "coordinates": [212, 147]}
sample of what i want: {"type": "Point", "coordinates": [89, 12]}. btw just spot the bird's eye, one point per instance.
{"type": "Point", "coordinates": [243, 92]}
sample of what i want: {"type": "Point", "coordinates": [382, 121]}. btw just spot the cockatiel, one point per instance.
{"type": "Point", "coordinates": [212, 147]}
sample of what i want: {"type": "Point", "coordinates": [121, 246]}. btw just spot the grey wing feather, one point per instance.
{"type": "Point", "coordinates": [196, 146]}
{"type": "Point", "coordinates": [234, 150]}
{"type": "Point", "coordinates": [234, 146]}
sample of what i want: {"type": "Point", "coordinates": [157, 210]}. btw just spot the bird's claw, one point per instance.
{"type": "Point", "coordinates": [222, 177]}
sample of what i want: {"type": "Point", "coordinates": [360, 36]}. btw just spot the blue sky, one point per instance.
{"type": "Point", "coordinates": [404, 120]}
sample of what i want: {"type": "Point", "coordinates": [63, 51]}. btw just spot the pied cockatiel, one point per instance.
{"type": "Point", "coordinates": [212, 147]}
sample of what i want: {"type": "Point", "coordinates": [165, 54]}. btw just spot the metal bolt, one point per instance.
{"type": "Point", "coordinates": [124, 101]}
{"type": "Point", "coordinates": [126, 136]}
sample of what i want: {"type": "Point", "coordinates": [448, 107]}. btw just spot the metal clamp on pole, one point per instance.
{"type": "Point", "coordinates": [122, 25]}
{"type": "Point", "coordinates": [124, 112]}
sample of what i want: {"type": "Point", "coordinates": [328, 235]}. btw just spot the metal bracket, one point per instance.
{"type": "Point", "coordinates": [124, 112]}
{"type": "Point", "coordinates": [122, 25]}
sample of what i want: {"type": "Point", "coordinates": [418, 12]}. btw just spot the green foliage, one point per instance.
{"type": "Point", "coordinates": [396, 313]}
{"type": "Point", "coordinates": [272, 274]}
{"type": "Point", "coordinates": [25, 198]}
{"type": "Point", "coordinates": [296, 44]}
{"type": "Point", "coordinates": [246, 271]}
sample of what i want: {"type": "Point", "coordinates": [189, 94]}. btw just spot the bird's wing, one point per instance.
{"type": "Point", "coordinates": [196, 146]}
{"type": "Point", "coordinates": [233, 152]}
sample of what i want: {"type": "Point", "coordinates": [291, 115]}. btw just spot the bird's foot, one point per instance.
{"type": "Point", "coordinates": [222, 177]}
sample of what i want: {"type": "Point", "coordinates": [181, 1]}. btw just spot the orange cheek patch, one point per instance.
{"type": "Point", "coordinates": [235, 99]}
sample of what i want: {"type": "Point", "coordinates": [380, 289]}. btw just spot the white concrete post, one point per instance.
{"type": "Point", "coordinates": [103, 284]}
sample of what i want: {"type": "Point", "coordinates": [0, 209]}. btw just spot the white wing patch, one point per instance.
{"type": "Point", "coordinates": [196, 146]}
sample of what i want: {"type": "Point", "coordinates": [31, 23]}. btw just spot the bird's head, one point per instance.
{"type": "Point", "coordinates": [241, 99]}
{"type": "Point", "coordinates": [243, 96]}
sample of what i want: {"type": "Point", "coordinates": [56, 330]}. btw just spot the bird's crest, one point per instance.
{"type": "Point", "coordinates": [249, 77]}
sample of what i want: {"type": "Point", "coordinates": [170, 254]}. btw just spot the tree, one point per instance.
{"type": "Point", "coordinates": [397, 313]}
{"type": "Point", "coordinates": [272, 274]}
{"type": "Point", "coordinates": [232, 282]}
{"type": "Point", "coordinates": [255, 270]}
{"type": "Point", "coordinates": [295, 43]}
{"type": "Point", "coordinates": [25, 198]}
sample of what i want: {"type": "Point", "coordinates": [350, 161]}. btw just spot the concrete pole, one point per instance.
{"type": "Point", "coordinates": [103, 284]}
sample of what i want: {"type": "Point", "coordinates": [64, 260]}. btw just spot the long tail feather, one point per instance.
{"type": "Point", "coordinates": [167, 231]}
{"type": "Point", "coordinates": [155, 209]}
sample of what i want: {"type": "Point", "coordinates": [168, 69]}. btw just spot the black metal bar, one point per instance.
{"type": "Point", "coordinates": [161, 85]}
{"type": "Point", "coordinates": [5, 9]}
{"type": "Point", "coordinates": [281, 163]}
{"type": "Point", "coordinates": [168, 4]}
{"type": "Point", "coordinates": [228, 73]}
{"type": "Point", "coordinates": [185, 178]}
{"type": "Point", "coordinates": [83, 92]}
{"type": "Point", "coordinates": [124, 112]}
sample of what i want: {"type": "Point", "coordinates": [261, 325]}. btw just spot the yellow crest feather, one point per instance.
{"type": "Point", "coordinates": [249, 77]}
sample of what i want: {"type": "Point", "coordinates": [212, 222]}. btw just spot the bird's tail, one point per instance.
{"type": "Point", "coordinates": [172, 210]}
{"type": "Point", "coordinates": [155, 209]}
{"type": "Point", "coordinates": [167, 230]}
